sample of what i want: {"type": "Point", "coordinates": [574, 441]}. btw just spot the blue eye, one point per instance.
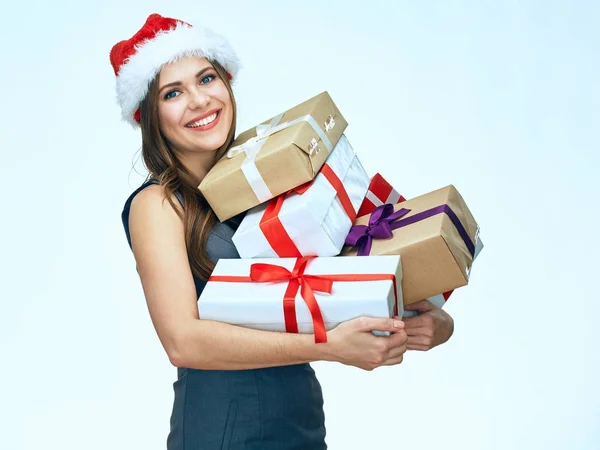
{"type": "Point", "coordinates": [207, 79]}
{"type": "Point", "coordinates": [171, 94]}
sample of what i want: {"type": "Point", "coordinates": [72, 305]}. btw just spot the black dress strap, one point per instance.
{"type": "Point", "coordinates": [127, 207]}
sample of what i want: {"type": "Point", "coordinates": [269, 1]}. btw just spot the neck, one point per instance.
{"type": "Point", "coordinates": [198, 163]}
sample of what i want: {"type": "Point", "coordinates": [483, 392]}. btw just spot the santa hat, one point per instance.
{"type": "Point", "coordinates": [162, 40]}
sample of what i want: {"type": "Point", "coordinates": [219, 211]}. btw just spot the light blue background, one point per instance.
{"type": "Point", "coordinates": [499, 98]}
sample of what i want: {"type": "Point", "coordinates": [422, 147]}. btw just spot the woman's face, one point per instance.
{"type": "Point", "coordinates": [195, 111]}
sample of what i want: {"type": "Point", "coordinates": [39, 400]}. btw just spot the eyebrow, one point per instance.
{"type": "Point", "coordinates": [179, 83]}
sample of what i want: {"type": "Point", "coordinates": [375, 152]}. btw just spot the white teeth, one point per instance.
{"type": "Point", "coordinates": [203, 122]}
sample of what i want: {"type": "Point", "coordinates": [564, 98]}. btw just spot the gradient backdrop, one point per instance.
{"type": "Point", "coordinates": [500, 98]}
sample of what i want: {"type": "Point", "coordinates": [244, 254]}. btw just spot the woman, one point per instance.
{"type": "Point", "coordinates": [237, 388]}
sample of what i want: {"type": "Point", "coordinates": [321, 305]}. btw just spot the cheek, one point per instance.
{"type": "Point", "coordinates": [168, 118]}
{"type": "Point", "coordinates": [222, 94]}
{"type": "Point", "coordinates": [229, 108]}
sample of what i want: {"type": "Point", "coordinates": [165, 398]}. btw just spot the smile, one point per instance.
{"type": "Point", "coordinates": [206, 122]}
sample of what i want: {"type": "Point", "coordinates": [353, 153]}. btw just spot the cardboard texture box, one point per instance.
{"type": "Point", "coordinates": [231, 296]}
{"type": "Point", "coordinates": [381, 192]}
{"type": "Point", "coordinates": [314, 222]}
{"type": "Point", "coordinates": [274, 157]}
{"type": "Point", "coordinates": [435, 257]}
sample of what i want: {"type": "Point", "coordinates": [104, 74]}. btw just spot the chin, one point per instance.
{"type": "Point", "coordinates": [210, 143]}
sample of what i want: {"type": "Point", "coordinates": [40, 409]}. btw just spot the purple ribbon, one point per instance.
{"type": "Point", "coordinates": [381, 224]}
{"type": "Point", "coordinates": [384, 220]}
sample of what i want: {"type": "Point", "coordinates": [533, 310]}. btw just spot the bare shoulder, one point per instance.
{"type": "Point", "coordinates": [153, 218]}
{"type": "Point", "coordinates": [150, 204]}
{"type": "Point", "coordinates": [151, 200]}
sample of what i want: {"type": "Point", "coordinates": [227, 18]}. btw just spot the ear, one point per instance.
{"type": "Point", "coordinates": [136, 115]}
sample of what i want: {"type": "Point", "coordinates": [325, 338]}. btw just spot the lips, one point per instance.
{"type": "Point", "coordinates": [204, 120]}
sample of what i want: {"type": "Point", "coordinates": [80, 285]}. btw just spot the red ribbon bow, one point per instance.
{"type": "Point", "coordinates": [297, 280]}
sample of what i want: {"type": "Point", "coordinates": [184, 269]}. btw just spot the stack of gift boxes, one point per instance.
{"type": "Point", "coordinates": [321, 242]}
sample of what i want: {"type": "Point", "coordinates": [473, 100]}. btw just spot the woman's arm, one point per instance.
{"type": "Point", "coordinates": [158, 243]}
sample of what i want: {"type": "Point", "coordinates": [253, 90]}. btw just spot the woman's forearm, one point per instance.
{"type": "Point", "coordinates": [206, 344]}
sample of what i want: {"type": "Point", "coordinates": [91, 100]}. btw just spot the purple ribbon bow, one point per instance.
{"type": "Point", "coordinates": [384, 220]}
{"type": "Point", "coordinates": [380, 227]}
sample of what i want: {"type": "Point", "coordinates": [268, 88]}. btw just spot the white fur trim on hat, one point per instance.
{"type": "Point", "coordinates": [140, 69]}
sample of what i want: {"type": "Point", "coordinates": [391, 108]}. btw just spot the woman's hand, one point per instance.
{"type": "Point", "coordinates": [352, 343]}
{"type": "Point", "coordinates": [432, 327]}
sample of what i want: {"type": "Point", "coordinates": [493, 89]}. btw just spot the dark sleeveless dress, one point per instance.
{"type": "Point", "coordinates": [278, 408]}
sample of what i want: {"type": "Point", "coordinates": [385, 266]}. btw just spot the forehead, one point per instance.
{"type": "Point", "coordinates": [183, 68]}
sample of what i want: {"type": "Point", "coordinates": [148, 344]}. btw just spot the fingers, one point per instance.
{"type": "Point", "coordinates": [379, 324]}
{"type": "Point", "coordinates": [425, 320]}
{"type": "Point", "coordinates": [397, 339]}
{"type": "Point", "coordinates": [391, 357]}
{"type": "Point", "coordinates": [394, 361]}
{"type": "Point", "coordinates": [420, 348]}
{"type": "Point", "coordinates": [422, 343]}
{"type": "Point", "coordinates": [395, 346]}
{"type": "Point", "coordinates": [397, 352]}
{"type": "Point", "coordinates": [420, 331]}
{"type": "Point", "coordinates": [412, 322]}
{"type": "Point", "coordinates": [421, 306]}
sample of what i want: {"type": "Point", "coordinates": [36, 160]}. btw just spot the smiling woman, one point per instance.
{"type": "Point", "coordinates": [178, 151]}
{"type": "Point", "coordinates": [237, 388]}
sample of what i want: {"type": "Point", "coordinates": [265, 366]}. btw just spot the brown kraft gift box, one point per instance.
{"type": "Point", "coordinates": [283, 160]}
{"type": "Point", "coordinates": [435, 257]}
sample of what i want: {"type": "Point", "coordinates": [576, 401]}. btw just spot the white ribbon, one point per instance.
{"type": "Point", "coordinates": [253, 145]}
{"type": "Point", "coordinates": [373, 198]}
{"type": "Point", "coordinates": [392, 198]}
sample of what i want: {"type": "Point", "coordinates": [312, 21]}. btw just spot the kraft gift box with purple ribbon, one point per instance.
{"type": "Point", "coordinates": [434, 233]}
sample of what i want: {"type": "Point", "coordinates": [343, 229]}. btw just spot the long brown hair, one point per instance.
{"type": "Point", "coordinates": [164, 166]}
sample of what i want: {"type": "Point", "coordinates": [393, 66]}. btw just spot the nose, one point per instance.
{"type": "Point", "coordinates": [198, 99]}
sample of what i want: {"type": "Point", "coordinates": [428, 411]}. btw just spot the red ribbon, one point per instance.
{"type": "Point", "coordinates": [337, 184]}
{"type": "Point", "coordinates": [297, 279]}
{"type": "Point", "coordinates": [275, 232]}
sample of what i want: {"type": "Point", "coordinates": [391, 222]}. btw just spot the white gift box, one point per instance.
{"type": "Point", "coordinates": [231, 297]}
{"type": "Point", "coordinates": [315, 221]}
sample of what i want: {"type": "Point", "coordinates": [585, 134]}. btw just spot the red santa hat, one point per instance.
{"type": "Point", "coordinates": [162, 40]}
